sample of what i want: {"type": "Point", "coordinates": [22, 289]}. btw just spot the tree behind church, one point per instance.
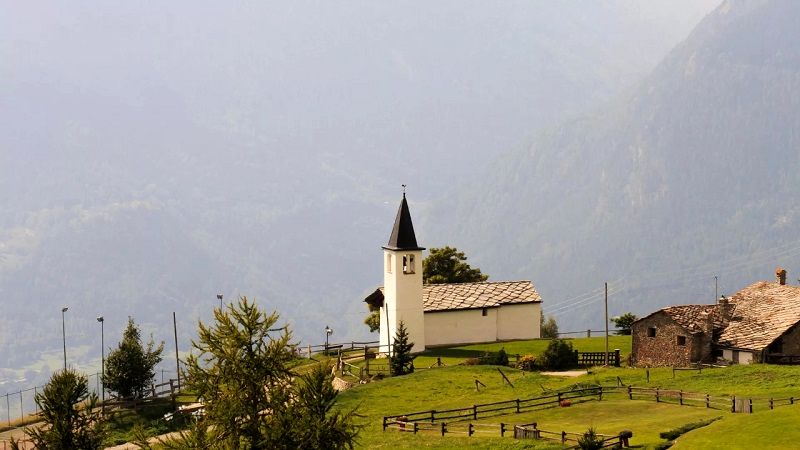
{"type": "Point", "coordinates": [448, 265]}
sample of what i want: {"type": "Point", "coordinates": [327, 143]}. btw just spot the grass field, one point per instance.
{"type": "Point", "coordinates": [454, 387]}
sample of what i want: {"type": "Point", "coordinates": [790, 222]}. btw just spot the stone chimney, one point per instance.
{"type": "Point", "coordinates": [780, 275]}
{"type": "Point", "coordinates": [725, 307]}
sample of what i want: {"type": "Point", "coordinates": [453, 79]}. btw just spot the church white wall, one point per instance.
{"type": "Point", "coordinates": [402, 291]}
{"type": "Point", "coordinates": [519, 321]}
{"type": "Point", "coordinates": [460, 327]}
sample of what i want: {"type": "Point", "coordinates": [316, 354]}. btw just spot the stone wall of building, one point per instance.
{"type": "Point", "coordinates": [671, 345]}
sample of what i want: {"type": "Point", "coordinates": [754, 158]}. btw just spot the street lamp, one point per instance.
{"type": "Point", "coordinates": [102, 362]}
{"type": "Point", "coordinates": [64, 335]}
{"type": "Point", "coordinates": [219, 297]}
{"type": "Point", "coordinates": [328, 333]}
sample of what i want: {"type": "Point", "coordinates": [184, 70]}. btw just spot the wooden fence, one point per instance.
{"type": "Point", "coordinates": [496, 408]}
{"type": "Point", "coordinates": [525, 431]}
{"type": "Point", "coordinates": [598, 358]}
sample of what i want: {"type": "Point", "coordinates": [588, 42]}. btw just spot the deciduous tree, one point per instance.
{"type": "Point", "coordinates": [448, 265]}
{"type": "Point", "coordinates": [624, 323]}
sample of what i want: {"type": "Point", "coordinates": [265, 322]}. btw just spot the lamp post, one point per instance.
{"type": "Point", "coordinates": [64, 335]}
{"type": "Point", "coordinates": [102, 362]}
{"type": "Point", "coordinates": [328, 333]}
{"type": "Point", "coordinates": [219, 297]}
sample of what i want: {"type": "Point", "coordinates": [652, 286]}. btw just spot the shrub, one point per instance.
{"type": "Point", "coordinates": [527, 362]}
{"type": "Point", "coordinates": [590, 440]}
{"type": "Point", "coordinates": [559, 355]}
{"type": "Point", "coordinates": [675, 433]}
{"type": "Point", "coordinates": [494, 359]}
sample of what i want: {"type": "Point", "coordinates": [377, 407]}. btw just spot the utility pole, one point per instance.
{"type": "Point", "coordinates": [177, 359]}
{"type": "Point", "coordinates": [606, 302]}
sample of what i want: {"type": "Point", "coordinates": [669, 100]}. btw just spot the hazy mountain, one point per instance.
{"type": "Point", "coordinates": [692, 175]}
{"type": "Point", "coordinates": [152, 156]}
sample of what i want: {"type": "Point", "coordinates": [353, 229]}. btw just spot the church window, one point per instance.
{"type": "Point", "coordinates": [651, 332]}
{"type": "Point", "coordinates": [408, 264]}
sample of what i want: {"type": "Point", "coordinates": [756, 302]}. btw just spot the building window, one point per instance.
{"type": "Point", "coordinates": [651, 332]}
{"type": "Point", "coordinates": [388, 263]}
{"type": "Point", "coordinates": [681, 340]}
{"type": "Point", "coordinates": [485, 312]}
{"type": "Point", "coordinates": [408, 264]}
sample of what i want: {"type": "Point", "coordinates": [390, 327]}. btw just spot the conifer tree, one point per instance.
{"type": "Point", "coordinates": [401, 362]}
{"type": "Point", "coordinates": [130, 368]}
{"type": "Point", "coordinates": [70, 414]}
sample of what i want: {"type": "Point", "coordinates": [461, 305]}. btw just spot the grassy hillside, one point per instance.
{"type": "Point", "coordinates": [454, 387]}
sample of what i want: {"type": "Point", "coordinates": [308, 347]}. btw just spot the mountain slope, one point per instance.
{"type": "Point", "coordinates": [693, 175]}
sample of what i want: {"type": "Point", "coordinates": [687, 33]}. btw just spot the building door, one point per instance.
{"type": "Point", "coordinates": [736, 356]}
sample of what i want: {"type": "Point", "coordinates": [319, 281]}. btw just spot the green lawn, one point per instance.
{"type": "Point", "coordinates": [776, 429]}
{"type": "Point", "coordinates": [454, 387]}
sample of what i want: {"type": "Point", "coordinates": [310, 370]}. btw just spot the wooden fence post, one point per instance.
{"type": "Point", "coordinates": [648, 375]}
{"type": "Point", "coordinates": [771, 404]}
{"type": "Point", "coordinates": [657, 398]}
{"type": "Point", "coordinates": [416, 427]}
{"type": "Point", "coordinates": [630, 393]}
{"type": "Point", "coordinates": [536, 433]}
{"type": "Point", "coordinates": [502, 429]}
{"type": "Point", "coordinates": [563, 437]}
{"type": "Point", "coordinates": [517, 406]}
{"type": "Point", "coordinates": [559, 398]}
{"type": "Point", "coordinates": [444, 428]}
{"type": "Point", "coordinates": [791, 400]}
{"type": "Point", "coordinates": [733, 404]}
{"type": "Point", "coordinates": [474, 412]}
{"type": "Point", "coordinates": [750, 402]}
{"type": "Point", "coordinates": [616, 358]}
{"type": "Point", "coordinates": [384, 423]}
{"type": "Point", "coordinates": [708, 402]}
{"type": "Point", "coordinates": [600, 393]}
{"type": "Point", "coordinates": [433, 416]}
{"type": "Point", "coordinates": [471, 430]}
{"type": "Point", "coordinates": [680, 397]}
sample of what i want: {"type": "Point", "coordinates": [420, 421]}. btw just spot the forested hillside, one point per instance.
{"type": "Point", "coordinates": [693, 175]}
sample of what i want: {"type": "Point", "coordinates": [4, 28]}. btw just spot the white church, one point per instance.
{"type": "Point", "coordinates": [447, 314]}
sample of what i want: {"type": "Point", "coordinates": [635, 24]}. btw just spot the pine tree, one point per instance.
{"type": "Point", "coordinates": [241, 369]}
{"type": "Point", "coordinates": [402, 362]}
{"type": "Point", "coordinates": [72, 420]}
{"type": "Point", "coordinates": [130, 368]}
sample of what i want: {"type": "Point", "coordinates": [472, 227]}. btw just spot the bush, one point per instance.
{"type": "Point", "coordinates": [527, 362]}
{"type": "Point", "coordinates": [559, 355]}
{"type": "Point", "coordinates": [675, 433]}
{"type": "Point", "coordinates": [494, 359]}
{"type": "Point", "coordinates": [590, 440]}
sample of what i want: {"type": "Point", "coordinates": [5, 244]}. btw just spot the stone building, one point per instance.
{"type": "Point", "coordinates": [757, 324]}
{"type": "Point", "coordinates": [677, 335]}
{"type": "Point", "coordinates": [451, 313]}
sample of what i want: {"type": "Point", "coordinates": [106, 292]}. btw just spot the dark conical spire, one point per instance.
{"type": "Point", "coordinates": [403, 237]}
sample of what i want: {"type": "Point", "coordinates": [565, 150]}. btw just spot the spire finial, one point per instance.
{"type": "Point", "coordinates": [404, 190]}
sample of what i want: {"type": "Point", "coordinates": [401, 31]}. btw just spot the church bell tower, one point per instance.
{"type": "Point", "coordinates": [402, 283]}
